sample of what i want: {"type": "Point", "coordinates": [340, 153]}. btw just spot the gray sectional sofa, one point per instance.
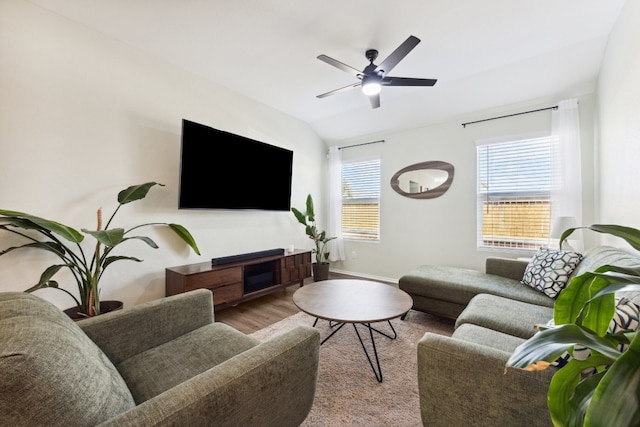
{"type": "Point", "coordinates": [462, 379]}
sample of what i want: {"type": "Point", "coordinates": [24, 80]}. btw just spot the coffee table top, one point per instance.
{"type": "Point", "coordinates": [352, 301]}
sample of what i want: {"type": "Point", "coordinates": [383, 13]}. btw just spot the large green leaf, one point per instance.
{"type": "Point", "coordinates": [310, 230]}
{"type": "Point", "coordinates": [54, 247]}
{"type": "Point", "coordinates": [135, 192]}
{"type": "Point", "coordinates": [581, 398]}
{"type": "Point", "coordinates": [45, 278]}
{"type": "Point", "coordinates": [299, 216]}
{"type": "Point", "coordinates": [186, 236]}
{"type": "Point", "coordinates": [108, 238]}
{"type": "Point", "coordinates": [630, 235]}
{"type": "Point", "coordinates": [549, 344]}
{"type": "Point", "coordinates": [62, 230]}
{"type": "Point", "coordinates": [625, 274]}
{"type": "Point", "coordinates": [310, 211]}
{"type": "Point", "coordinates": [575, 304]}
{"type": "Point", "coordinates": [18, 223]}
{"type": "Point", "coordinates": [615, 401]}
{"type": "Point", "coordinates": [565, 398]}
{"type": "Point", "coordinates": [110, 260]}
{"type": "Point", "coordinates": [149, 241]}
{"type": "Point", "coordinates": [613, 289]}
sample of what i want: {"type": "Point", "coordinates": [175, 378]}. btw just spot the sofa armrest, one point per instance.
{"type": "Point", "coordinates": [461, 381]}
{"type": "Point", "coordinates": [506, 267]}
{"type": "Point", "coordinates": [124, 333]}
{"type": "Point", "coordinates": [272, 384]}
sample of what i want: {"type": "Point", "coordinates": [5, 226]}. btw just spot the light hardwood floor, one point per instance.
{"type": "Point", "coordinates": [259, 313]}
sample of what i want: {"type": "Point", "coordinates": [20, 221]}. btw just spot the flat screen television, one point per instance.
{"type": "Point", "coordinates": [221, 170]}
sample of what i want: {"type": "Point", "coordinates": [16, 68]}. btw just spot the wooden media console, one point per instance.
{"type": "Point", "coordinates": [235, 281]}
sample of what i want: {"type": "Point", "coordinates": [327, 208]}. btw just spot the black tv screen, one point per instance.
{"type": "Point", "coordinates": [221, 170]}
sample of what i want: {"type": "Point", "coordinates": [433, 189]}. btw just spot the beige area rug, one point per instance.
{"type": "Point", "coordinates": [347, 392]}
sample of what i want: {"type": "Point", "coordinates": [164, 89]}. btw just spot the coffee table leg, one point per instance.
{"type": "Point", "coordinates": [395, 334]}
{"type": "Point", "coordinates": [339, 326]}
{"type": "Point", "coordinates": [377, 373]}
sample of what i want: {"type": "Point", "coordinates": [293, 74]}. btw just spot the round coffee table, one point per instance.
{"type": "Point", "coordinates": [357, 302]}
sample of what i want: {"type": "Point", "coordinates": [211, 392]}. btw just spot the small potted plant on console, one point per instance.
{"type": "Point", "coordinates": [319, 237]}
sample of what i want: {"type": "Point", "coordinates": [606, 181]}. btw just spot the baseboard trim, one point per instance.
{"type": "Point", "coordinates": [366, 276]}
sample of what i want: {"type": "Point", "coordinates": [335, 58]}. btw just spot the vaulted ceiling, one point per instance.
{"type": "Point", "coordinates": [485, 54]}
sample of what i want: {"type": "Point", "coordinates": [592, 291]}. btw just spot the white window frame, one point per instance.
{"type": "Point", "coordinates": [368, 194]}
{"type": "Point", "coordinates": [518, 181]}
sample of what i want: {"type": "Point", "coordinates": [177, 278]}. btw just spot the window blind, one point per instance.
{"type": "Point", "coordinates": [514, 193]}
{"type": "Point", "coordinates": [361, 199]}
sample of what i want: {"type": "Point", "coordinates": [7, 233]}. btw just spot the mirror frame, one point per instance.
{"type": "Point", "coordinates": [430, 194]}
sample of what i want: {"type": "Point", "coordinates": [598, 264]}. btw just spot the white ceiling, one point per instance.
{"type": "Point", "coordinates": [485, 54]}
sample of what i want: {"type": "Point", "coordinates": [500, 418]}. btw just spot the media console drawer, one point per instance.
{"type": "Point", "coordinates": [227, 293]}
{"type": "Point", "coordinates": [211, 279]}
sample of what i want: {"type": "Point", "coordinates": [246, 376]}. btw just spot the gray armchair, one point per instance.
{"type": "Point", "coordinates": [160, 363]}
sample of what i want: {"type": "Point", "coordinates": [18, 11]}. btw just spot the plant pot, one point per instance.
{"type": "Point", "coordinates": [105, 307]}
{"type": "Point", "coordinates": [320, 271]}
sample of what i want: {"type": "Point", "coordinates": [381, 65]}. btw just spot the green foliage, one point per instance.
{"type": "Point", "coordinates": [319, 237]}
{"type": "Point", "coordinates": [582, 314]}
{"type": "Point", "coordinates": [64, 242]}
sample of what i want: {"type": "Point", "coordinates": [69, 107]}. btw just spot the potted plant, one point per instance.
{"type": "Point", "coordinates": [582, 314]}
{"type": "Point", "coordinates": [319, 237]}
{"type": "Point", "coordinates": [65, 242]}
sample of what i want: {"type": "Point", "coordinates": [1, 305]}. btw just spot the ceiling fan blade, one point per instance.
{"type": "Point", "coordinates": [407, 81]}
{"type": "Point", "coordinates": [375, 100]}
{"type": "Point", "coordinates": [342, 89]}
{"type": "Point", "coordinates": [397, 55]}
{"type": "Point", "coordinates": [339, 65]}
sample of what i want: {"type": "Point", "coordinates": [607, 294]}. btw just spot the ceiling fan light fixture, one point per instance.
{"type": "Point", "coordinates": [371, 85]}
{"type": "Point", "coordinates": [373, 77]}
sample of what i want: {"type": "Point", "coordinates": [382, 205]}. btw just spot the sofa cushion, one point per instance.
{"type": "Point", "coordinates": [550, 269]}
{"type": "Point", "coordinates": [505, 315]}
{"type": "Point", "coordinates": [459, 285]}
{"type": "Point", "coordinates": [487, 337]}
{"type": "Point", "coordinates": [606, 255]}
{"type": "Point", "coordinates": [52, 373]}
{"type": "Point", "coordinates": [156, 370]}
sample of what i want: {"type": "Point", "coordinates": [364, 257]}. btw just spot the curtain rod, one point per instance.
{"type": "Point", "coordinates": [358, 145]}
{"type": "Point", "coordinates": [555, 107]}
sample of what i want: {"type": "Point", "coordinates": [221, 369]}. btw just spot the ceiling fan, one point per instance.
{"type": "Point", "coordinates": [373, 77]}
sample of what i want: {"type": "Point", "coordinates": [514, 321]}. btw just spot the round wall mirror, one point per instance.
{"type": "Point", "coordinates": [424, 180]}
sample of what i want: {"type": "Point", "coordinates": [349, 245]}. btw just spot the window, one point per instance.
{"type": "Point", "coordinates": [361, 199]}
{"type": "Point", "coordinates": [514, 193]}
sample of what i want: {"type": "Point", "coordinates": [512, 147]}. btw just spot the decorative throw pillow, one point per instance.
{"type": "Point", "coordinates": [625, 318]}
{"type": "Point", "coordinates": [550, 269]}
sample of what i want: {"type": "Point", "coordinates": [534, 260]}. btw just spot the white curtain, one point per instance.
{"type": "Point", "coordinates": [335, 205]}
{"type": "Point", "coordinates": [566, 196]}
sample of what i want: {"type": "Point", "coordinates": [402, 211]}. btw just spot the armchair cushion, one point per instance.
{"type": "Point", "coordinates": [161, 368]}
{"type": "Point", "coordinates": [61, 377]}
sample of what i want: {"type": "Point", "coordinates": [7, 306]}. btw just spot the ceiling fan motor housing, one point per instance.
{"type": "Point", "coordinates": [371, 55]}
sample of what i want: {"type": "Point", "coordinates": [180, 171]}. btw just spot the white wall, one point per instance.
{"type": "Point", "coordinates": [83, 116]}
{"type": "Point", "coordinates": [618, 136]}
{"type": "Point", "coordinates": [443, 230]}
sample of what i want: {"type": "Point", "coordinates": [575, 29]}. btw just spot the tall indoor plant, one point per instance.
{"type": "Point", "coordinates": [65, 242]}
{"type": "Point", "coordinates": [582, 314]}
{"type": "Point", "coordinates": [319, 237]}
